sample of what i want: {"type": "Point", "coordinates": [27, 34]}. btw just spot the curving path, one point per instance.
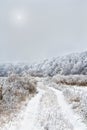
{"type": "Point", "coordinates": [48, 110]}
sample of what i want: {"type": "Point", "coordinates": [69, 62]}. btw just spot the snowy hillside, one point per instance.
{"type": "Point", "coordinates": [66, 65]}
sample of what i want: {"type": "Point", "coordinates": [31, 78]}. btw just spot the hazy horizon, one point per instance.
{"type": "Point", "coordinates": [34, 30]}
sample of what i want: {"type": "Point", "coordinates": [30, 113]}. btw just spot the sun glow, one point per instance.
{"type": "Point", "coordinates": [18, 17]}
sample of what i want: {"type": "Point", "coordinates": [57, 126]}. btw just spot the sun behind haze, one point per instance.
{"type": "Point", "coordinates": [18, 17]}
{"type": "Point", "coordinates": [32, 30]}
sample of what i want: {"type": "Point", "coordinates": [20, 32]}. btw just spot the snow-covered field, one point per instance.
{"type": "Point", "coordinates": [53, 108]}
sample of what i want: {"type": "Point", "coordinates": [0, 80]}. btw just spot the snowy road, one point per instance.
{"type": "Point", "coordinates": [48, 110]}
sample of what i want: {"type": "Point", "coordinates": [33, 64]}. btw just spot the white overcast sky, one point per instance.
{"type": "Point", "coordinates": [32, 30]}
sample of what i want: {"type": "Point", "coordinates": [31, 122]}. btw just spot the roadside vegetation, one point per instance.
{"type": "Point", "coordinates": [14, 92]}
{"type": "Point", "coordinates": [78, 80]}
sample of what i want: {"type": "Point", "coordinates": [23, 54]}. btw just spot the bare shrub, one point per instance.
{"type": "Point", "coordinates": [12, 78]}
{"type": "Point", "coordinates": [26, 83]}
{"type": "Point", "coordinates": [15, 92]}
{"type": "Point", "coordinates": [77, 97]}
{"type": "Point", "coordinates": [79, 80]}
{"type": "Point", "coordinates": [1, 96]}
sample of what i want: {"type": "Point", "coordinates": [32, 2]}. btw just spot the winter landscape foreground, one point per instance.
{"type": "Point", "coordinates": [44, 102]}
{"type": "Point", "coordinates": [52, 108]}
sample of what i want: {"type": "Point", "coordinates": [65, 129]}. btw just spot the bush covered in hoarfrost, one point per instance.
{"type": "Point", "coordinates": [27, 83]}
{"type": "Point", "coordinates": [77, 97]}
{"type": "Point", "coordinates": [15, 90]}
{"type": "Point", "coordinates": [79, 80]}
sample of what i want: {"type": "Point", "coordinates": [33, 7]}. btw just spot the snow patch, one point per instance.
{"type": "Point", "coordinates": [68, 113]}
{"type": "Point", "coordinates": [27, 117]}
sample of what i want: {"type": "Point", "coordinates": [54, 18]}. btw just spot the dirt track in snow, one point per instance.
{"type": "Point", "coordinates": [48, 110]}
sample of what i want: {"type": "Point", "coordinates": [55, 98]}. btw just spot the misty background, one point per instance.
{"type": "Point", "coordinates": [33, 30]}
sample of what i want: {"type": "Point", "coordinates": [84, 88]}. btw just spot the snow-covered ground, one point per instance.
{"type": "Point", "coordinates": [26, 119]}
{"type": "Point", "coordinates": [48, 110]}
{"type": "Point", "coordinates": [68, 113]}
